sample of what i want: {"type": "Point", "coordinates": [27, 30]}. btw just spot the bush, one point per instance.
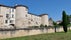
{"type": "Point", "coordinates": [42, 26]}
{"type": "Point", "coordinates": [35, 27]}
{"type": "Point", "coordinates": [46, 26]}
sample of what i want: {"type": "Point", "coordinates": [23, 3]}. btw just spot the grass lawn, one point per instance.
{"type": "Point", "coordinates": [51, 36]}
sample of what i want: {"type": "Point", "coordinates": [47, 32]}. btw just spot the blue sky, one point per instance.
{"type": "Point", "coordinates": [53, 8]}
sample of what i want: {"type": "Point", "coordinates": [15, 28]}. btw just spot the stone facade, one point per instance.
{"type": "Point", "coordinates": [20, 33]}
{"type": "Point", "coordinates": [8, 16]}
{"type": "Point", "coordinates": [20, 17]}
{"type": "Point", "coordinates": [50, 22]}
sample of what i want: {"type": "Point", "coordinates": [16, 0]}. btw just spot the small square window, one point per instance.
{"type": "Point", "coordinates": [12, 16]}
{"type": "Point", "coordinates": [12, 10]}
{"type": "Point", "coordinates": [11, 21]}
{"type": "Point", "coordinates": [7, 15]}
{"type": "Point", "coordinates": [36, 22]}
{"type": "Point", "coordinates": [29, 22]}
{"type": "Point", "coordinates": [31, 19]}
{"type": "Point", "coordinates": [6, 21]}
{"type": "Point", "coordinates": [26, 15]}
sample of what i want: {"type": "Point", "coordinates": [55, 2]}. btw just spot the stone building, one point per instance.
{"type": "Point", "coordinates": [7, 14]}
{"type": "Point", "coordinates": [58, 22]}
{"type": "Point", "coordinates": [20, 17]}
{"type": "Point", "coordinates": [50, 22]}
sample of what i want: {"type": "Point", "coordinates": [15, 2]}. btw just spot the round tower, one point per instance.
{"type": "Point", "coordinates": [21, 11]}
{"type": "Point", "coordinates": [44, 19]}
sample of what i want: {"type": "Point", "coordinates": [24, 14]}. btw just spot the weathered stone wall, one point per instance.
{"type": "Point", "coordinates": [44, 20]}
{"type": "Point", "coordinates": [19, 33]}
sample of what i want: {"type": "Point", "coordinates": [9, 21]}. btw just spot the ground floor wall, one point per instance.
{"type": "Point", "coordinates": [19, 33]}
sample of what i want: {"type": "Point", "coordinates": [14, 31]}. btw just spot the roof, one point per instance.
{"type": "Point", "coordinates": [43, 14]}
{"type": "Point", "coordinates": [50, 18]}
{"type": "Point", "coordinates": [20, 5]}
{"type": "Point", "coordinates": [59, 21]}
{"type": "Point", "coordinates": [38, 15]}
{"type": "Point", "coordinates": [13, 6]}
{"type": "Point", "coordinates": [6, 6]}
{"type": "Point", "coordinates": [33, 14]}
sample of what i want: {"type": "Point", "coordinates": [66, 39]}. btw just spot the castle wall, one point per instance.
{"type": "Point", "coordinates": [7, 18]}
{"type": "Point", "coordinates": [33, 20]}
{"type": "Point", "coordinates": [3, 12]}
{"type": "Point", "coordinates": [20, 17]}
{"type": "Point", "coordinates": [1, 21]}
{"type": "Point", "coordinates": [20, 33]}
{"type": "Point", "coordinates": [44, 20]}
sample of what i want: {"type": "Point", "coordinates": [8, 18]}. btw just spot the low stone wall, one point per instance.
{"type": "Point", "coordinates": [18, 33]}
{"type": "Point", "coordinates": [59, 29]}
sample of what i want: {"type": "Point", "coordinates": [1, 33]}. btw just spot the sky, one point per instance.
{"type": "Point", "coordinates": [53, 8]}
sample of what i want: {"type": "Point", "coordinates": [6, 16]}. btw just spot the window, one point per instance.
{"type": "Point", "coordinates": [36, 22]}
{"type": "Point", "coordinates": [12, 16]}
{"type": "Point", "coordinates": [9, 10]}
{"type": "Point", "coordinates": [7, 15]}
{"type": "Point", "coordinates": [31, 19]}
{"type": "Point", "coordinates": [6, 21]}
{"type": "Point", "coordinates": [11, 21]}
{"type": "Point", "coordinates": [12, 10]}
{"type": "Point", "coordinates": [29, 22]}
{"type": "Point", "coordinates": [26, 15]}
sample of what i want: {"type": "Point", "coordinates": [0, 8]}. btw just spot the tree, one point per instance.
{"type": "Point", "coordinates": [60, 24]}
{"type": "Point", "coordinates": [64, 21]}
{"type": "Point", "coordinates": [68, 19]}
{"type": "Point", "coordinates": [46, 26]}
{"type": "Point", "coordinates": [42, 26]}
{"type": "Point", "coordinates": [55, 25]}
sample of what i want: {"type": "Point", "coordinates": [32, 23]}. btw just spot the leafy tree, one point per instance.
{"type": "Point", "coordinates": [64, 21]}
{"type": "Point", "coordinates": [42, 27]}
{"type": "Point", "coordinates": [55, 25]}
{"type": "Point", "coordinates": [68, 19]}
{"type": "Point", "coordinates": [60, 24]}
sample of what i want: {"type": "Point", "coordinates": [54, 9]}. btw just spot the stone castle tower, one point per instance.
{"type": "Point", "coordinates": [21, 20]}
{"type": "Point", "coordinates": [20, 17]}
{"type": "Point", "coordinates": [21, 11]}
{"type": "Point", "coordinates": [44, 19]}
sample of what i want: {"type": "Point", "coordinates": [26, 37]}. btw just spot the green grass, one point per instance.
{"type": "Point", "coordinates": [51, 36]}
